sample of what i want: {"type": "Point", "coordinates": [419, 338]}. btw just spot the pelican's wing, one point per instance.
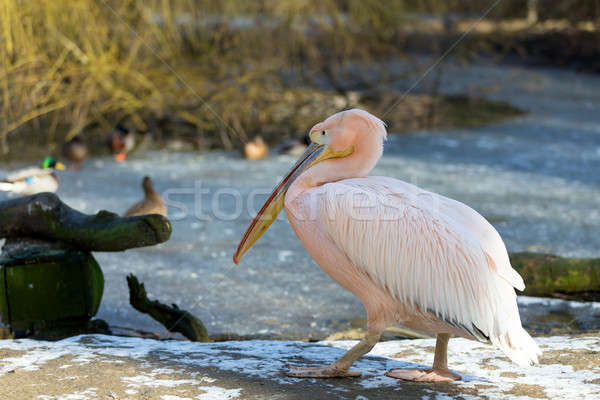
{"type": "Point", "coordinates": [432, 252]}
{"type": "Point", "coordinates": [490, 241]}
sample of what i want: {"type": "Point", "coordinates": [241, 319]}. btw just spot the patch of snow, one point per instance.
{"type": "Point", "coordinates": [218, 393]}
{"type": "Point", "coordinates": [66, 378]}
{"type": "Point", "coordinates": [557, 380]}
{"type": "Point", "coordinates": [29, 361]}
{"type": "Point", "coordinates": [150, 380]}
{"type": "Point", "coordinates": [80, 395]}
{"type": "Point", "coordinates": [266, 360]}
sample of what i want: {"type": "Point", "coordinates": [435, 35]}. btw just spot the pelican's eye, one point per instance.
{"type": "Point", "coordinates": [320, 137]}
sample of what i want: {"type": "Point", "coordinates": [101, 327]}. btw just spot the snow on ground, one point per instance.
{"type": "Point", "coordinates": [229, 370]}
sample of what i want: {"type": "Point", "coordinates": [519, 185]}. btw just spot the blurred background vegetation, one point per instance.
{"type": "Point", "coordinates": [215, 73]}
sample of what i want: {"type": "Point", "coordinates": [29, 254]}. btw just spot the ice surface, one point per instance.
{"type": "Point", "coordinates": [536, 177]}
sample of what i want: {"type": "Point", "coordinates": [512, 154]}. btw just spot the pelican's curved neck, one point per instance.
{"type": "Point", "coordinates": [356, 165]}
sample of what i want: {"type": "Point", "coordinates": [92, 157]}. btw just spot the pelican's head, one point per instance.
{"type": "Point", "coordinates": [353, 133]}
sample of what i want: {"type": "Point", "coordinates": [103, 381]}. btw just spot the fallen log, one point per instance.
{"type": "Point", "coordinates": [548, 275]}
{"type": "Point", "coordinates": [44, 216]}
{"type": "Point", "coordinates": [50, 283]}
{"type": "Point", "coordinates": [171, 317]}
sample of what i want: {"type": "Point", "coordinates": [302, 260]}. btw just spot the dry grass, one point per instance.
{"type": "Point", "coordinates": [213, 66]}
{"type": "Point", "coordinates": [219, 70]}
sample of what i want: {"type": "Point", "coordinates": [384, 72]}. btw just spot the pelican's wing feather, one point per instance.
{"type": "Point", "coordinates": [432, 252]}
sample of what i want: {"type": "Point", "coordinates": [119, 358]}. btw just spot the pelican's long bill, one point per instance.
{"type": "Point", "coordinates": [314, 154]}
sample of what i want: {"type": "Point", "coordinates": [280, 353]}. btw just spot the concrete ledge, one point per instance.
{"type": "Point", "coordinates": [97, 366]}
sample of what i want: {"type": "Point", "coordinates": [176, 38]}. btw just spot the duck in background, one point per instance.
{"type": "Point", "coordinates": [294, 147]}
{"type": "Point", "coordinates": [33, 180]}
{"type": "Point", "coordinates": [121, 141]}
{"type": "Point", "coordinates": [151, 204]}
{"type": "Point", "coordinates": [256, 149]}
{"type": "Point", "coordinates": [75, 151]}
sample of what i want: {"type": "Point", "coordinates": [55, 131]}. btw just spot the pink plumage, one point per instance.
{"type": "Point", "coordinates": [413, 257]}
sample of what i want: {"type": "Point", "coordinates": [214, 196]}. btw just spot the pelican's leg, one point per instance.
{"type": "Point", "coordinates": [340, 368]}
{"type": "Point", "coordinates": [439, 372]}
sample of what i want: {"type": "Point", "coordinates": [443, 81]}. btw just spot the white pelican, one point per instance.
{"type": "Point", "coordinates": [411, 256]}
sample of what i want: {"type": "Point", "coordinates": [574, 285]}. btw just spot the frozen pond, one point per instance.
{"type": "Point", "coordinates": [536, 177]}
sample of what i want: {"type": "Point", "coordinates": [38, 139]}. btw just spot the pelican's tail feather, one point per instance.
{"type": "Point", "coordinates": [518, 346]}
{"type": "Point", "coordinates": [6, 186]}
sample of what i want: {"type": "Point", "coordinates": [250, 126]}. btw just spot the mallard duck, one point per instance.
{"type": "Point", "coordinates": [75, 150]}
{"type": "Point", "coordinates": [151, 204]}
{"type": "Point", "coordinates": [33, 180]}
{"type": "Point", "coordinates": [121, 141]}
{"type": "Point", "coordinates": [256, 149]}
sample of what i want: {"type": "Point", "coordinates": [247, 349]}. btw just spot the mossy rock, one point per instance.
{"type": "Point", "coordinates": [45, 286]}
{"type": "Point", "coordinates": [49, 280]}
{"type": "Point", "coordinates": [549, 275]}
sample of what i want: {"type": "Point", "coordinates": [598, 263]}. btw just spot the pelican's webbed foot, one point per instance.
{"type": "Point", "coordinates": [428, 375]}
{"type": "Point", "coordinates": [321, 372]}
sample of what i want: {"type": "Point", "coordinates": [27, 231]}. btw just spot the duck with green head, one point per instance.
{"type": "Point", "coordinates": [33, 180]}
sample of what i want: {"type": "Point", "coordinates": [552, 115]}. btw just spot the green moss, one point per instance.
{"type": "Point", "coordinates": [550, 275]}
{"type": "Point", "coordinates": [43, 290]}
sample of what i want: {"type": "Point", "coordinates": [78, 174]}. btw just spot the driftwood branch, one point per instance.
{"type": "Point", "coordinates": [45, 216]}
{"type": "Point", "coordinates": [548, 275]}
{"type": "Point", "coordinates": [173, 318]}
